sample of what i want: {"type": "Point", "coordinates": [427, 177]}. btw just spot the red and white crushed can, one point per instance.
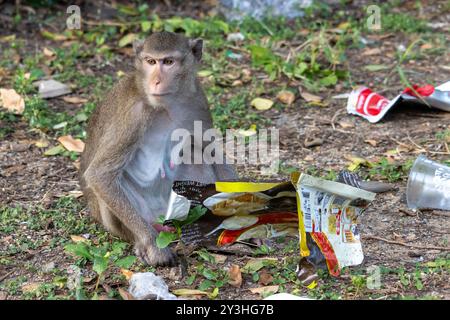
{"type": "Point", "coordinates": [372, 106]}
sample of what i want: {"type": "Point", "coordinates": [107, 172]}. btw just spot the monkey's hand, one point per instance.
{"type": "Point", "coordinates": [150, 254]}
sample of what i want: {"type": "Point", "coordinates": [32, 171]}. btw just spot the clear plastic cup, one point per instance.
{"type": "Point", "coordinates": [428, 185]}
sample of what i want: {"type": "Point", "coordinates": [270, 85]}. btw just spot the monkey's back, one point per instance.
{"type": "Point", "coordinates": [123, 93]}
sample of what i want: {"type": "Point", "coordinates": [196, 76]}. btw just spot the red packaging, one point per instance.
{"type": "Point", "coordinates": [368, 104]}
{"type": "Point", "coordinates": [372, 106]}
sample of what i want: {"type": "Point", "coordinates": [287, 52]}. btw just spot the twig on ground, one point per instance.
{"type": "Point", "coordinates": [6, 275]}
{"type": "Point", "coordinates": [436, 213]}
{"type": "Point", "coordinates": [336, 114]}
{"type": "Point", "coordinates": [411, 214]}
{"type": "Point", "coordinates": [406, 244]}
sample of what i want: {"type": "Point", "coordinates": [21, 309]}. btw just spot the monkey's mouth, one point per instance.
{"type": "Point", "coordinates": [160, 94]}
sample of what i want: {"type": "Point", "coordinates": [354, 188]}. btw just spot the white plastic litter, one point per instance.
{"type": "Point", "coordinates": [238, 9]}
{"type": "Point", "coordinates": [235, 37]}
{"type": "Point", "coordinates": [285, 296]}
{"type": "Point", "coordinates": [147, 285]}
{"type": "Point", "coordinates": [52, 88]}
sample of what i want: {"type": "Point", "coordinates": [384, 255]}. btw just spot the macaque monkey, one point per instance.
{"type": "Point", "coordinates": [126, 170]}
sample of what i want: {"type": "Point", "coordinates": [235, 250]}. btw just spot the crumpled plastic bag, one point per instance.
{"type": "Point", "coordinates": [238, 9]}
{"type": "Point", "coordinates": [147, 285]}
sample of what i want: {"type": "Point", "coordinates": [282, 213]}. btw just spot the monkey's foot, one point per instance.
{"type": "Point", "coordinates": [154, 256]}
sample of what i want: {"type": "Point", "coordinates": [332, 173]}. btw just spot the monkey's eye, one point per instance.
{"type": "Point", "coordinates": [168, 61]}
{"type": "Point", "coordinates": [151, 61]}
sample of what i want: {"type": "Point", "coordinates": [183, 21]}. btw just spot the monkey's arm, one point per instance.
{"type": "Point", "coordinates": [104, 174]}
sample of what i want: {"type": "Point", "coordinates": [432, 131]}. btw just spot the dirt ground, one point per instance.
{"type": "Point", "coordinates": [394, 238]}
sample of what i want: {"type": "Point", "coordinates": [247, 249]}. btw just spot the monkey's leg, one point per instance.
{"type": "Point", "coordinates": [119, 213]}
{"type": "Point", "coordinates": [102, 214]}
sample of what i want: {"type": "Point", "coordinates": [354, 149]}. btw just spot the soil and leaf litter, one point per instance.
{"type": "Point", "coordinates": [279, 73]}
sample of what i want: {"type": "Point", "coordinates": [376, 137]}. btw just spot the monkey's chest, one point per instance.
{"type": "Point", "coordinates": [151, 162]}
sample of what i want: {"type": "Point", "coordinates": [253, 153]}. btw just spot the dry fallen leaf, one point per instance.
{"type": "Point", "coordinates": [346, 125]}
{"type": "Point", "coordinates": [41, 143]}
{"type": "Point", "coordinates": [235, 276]}
{"type": "Point", "coordinates": [127, 273]}
{"type": "Point", "coordinates": [125, 294]}
{"type": "Point", "coordinates": [309, 97]}
{"type": "Point", "coordinates": [71, 144]}
{"type": "Point", "coordinates": [12, 101]}
{"type": "Point", "coordinates": [371, 52]}
{"type": "Point", "coordinates": [30, 287]}
{"type": "Point", "coordinates": [77, 239]}
{"type": "Point", "coordinates": [373, 143]}
{"type": "Point", "coordinates": [75, 100]}
{"type": "Point", "coordinates": [286, 97]}
{"type": "Point", "coordinates": [9, 38]}
{"type": "Point", "coordinates": [47, 52]}
{"type": "Point", "coordinates": [356, 162]}
{"type": "Point", "coordinates": [426, 46]}
{"type": "Point", "coordinates": [265, 290]}
{"type": "Point", "coordinates": [247, 133]}
{"type": "Point", "coordinates": [219, 258]}
{"type": "Point", "coordinates": [76, 193]}
{"type": "Point", "coordinates": [262, 104]}
{"type": "Point", "coordinates": [189, 292]}
{"type": "Point", "coordinates": [127, 39]}
{"type": "Point", "coordinates": [265, 278]}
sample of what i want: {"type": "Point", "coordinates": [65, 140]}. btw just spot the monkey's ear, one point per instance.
{"type": "Point", "coordinates": [138, 45]}
{"type": "Point", "coordinates": [197, 48]}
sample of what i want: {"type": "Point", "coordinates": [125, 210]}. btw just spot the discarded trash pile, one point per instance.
{"type": "Point", "coordinates": [372, 106]}
{"type": "Point", "coordinates": [321, 213]}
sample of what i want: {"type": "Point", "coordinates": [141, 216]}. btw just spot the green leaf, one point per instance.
{"type": "Point", "coordinates": [190, 280]}
{"type": "Point", "coordinates": [128, 10]}
{"type": "Point", "coordinates": [80, 294]}
{"type": "Point", "coordinates": [214, 293]}
{"type": "Point", "coordinates": [81, 117]}
{"type": "Point", "coordinates": [54, 151]}
{"type": "Point", "coordinates": [209, 274]}
{"type": "Point", "coordinates": [261, 56]}
{"type": "Point", "coordinates": [204, 73]}
{"type": "Point", "coordinates": [100, 265]}
{"type": "Point", "coordinates": [254, 265]}
{"type": "Point", "coordinates": [205, 255]}
{"type": "Point", "coordinates": [146, 26]}
{"type": "Point", "coordinates": [329, 80]}
{"type": "Point", "coordinates": [376, 67]}
{"type": "Point", "coordinates": [165, 238]}
{"type": "Point", "coordinates": [128, 39]}
{"type": "Point", "coordinates": [126, 262]}
{"type": "Point", "coordinates": [220, 283]}
{"type": "Point", "coordinates": [206, 284]}
{"type": "Point", "coordinates": [160, 219]}
{"type": "Point", "coordinates": [80, 249]}
{"type": "Point", "coordinates": [194, 214]}
{"type": "Point", "coordinates": [53, 36]}
{"type": "Point", "coordinates": [118, 247]}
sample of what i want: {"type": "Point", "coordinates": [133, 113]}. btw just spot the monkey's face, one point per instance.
{"type": "Point", "coordinates": [168, 64]}
{"type": "Point", "coordinates": [161, 72]}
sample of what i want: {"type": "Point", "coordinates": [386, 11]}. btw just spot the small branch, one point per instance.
{"type": "Point", "coordinates": [407, 213]}
{"type": "Point", "coordinates": [337, 113]}
{"type": "Point", "coordinates": [436, 213]}
{"type": "Point", "coordinates": [6, 275]}
{"type": "Point", "coordinates": [406, 244]}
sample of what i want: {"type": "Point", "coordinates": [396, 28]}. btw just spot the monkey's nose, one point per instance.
{"type": "Point", "coordinates": [157, 81]}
